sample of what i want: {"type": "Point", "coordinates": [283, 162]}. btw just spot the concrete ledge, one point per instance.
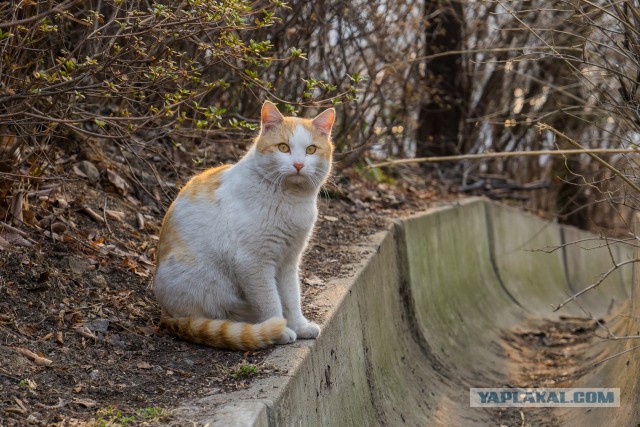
{"type": "Point", "coordinates": [421, 322]}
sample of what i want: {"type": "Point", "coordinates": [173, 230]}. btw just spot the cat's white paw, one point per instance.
{"type": "Point", "coordinates": [287, 337]}
{"type": "Point", "coordinates": [308, 330]}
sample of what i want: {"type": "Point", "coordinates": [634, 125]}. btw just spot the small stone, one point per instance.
{"type": "Point", "coordinates": [144, 365]}
{"type": "Point", "coordinates": [62, 203]}
{"type": "Point", "coordinates": [94, 374]}
{"type": "Point", "coordinates": [99, 281]}
{"type": "Point", "coordinates": [314, 281]}
{"type": "Point", "coordinates": [58, 227]}
{"type": "Point", "coordinates": [87, 169]}
{"type": "Point", "coordinates": [77, 265]}
{"type": "Point", "coordinates": [34, 418]}
{"type": "Point", "coordinates": [213, 391]}
{"type": "Point", "coordinates": [98, 325]}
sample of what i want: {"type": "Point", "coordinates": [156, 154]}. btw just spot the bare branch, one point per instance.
{"type": "Point", "coordinates": [596, 284]}
{"type": "Point", "coordinates": [536, 153]}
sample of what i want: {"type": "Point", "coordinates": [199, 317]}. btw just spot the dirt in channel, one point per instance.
{"type": "Point", "coordinates": [546, 354]}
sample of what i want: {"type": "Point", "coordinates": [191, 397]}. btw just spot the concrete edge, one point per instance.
{"type": "Point", "coordinates": [279, 400]}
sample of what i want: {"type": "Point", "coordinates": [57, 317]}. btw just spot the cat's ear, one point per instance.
{"type": "Point", "coordinates": [271, 117]}
{"type": "Point", "coordinates": [324, 121]}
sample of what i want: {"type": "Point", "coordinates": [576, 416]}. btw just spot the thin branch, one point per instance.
{"type": "Point", "coordinates": [486, 50]}
{"type": "Point", "coordinates": [596, 284]}
{"type": "Point", "coordinates": [615, 355]}
{"type": "Point", "coordinates": [434, 159]}
{"type": "Point", "coordinates": [58, 9]}
{"type": "Point", "coordinates": [592, 154]}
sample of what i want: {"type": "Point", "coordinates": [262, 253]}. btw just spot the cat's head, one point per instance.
{"type": "Point", "coordinates": [294, 150]}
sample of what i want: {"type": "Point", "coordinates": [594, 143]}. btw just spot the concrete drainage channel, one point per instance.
{"type": "Point", "coordinates": [439, 305]}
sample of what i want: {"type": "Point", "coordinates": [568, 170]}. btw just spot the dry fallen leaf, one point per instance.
{"type": "Point", "coordinates": [144, 365]}
{"type": "Point", "coordinates": [15, 239]}
{"type": "Point", "coordinates": [85, 332]}
{"type": "Point", "coordinates": [17, 203]}
{"type": "Point", "coordinates": [46, 337]}
{"type": "Point", "coordinates": [61, 404]}
{"type": "Point", "coordinates": [87, 403]}
{"type": "Point", "coordinates": [4, 244]}
{"type": "Point", "coordinates": [115, 215]}
{"type": "Point", "coordinates": [20, 403]}
{"type": "Point", "coordinates": [140, 219]}
{"type": "Point", "coordinates": [38, 360]}
{"type": "Point", "coordinates": [119, 183]}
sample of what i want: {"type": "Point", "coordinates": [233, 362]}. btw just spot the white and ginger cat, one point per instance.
{"type": "Point", "coordinates": [231, 242]}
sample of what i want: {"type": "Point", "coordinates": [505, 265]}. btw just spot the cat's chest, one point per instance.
{"type": "Point", "coordinates": [293, 216]}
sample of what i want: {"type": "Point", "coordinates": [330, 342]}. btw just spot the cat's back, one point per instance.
{"type": "Point", "coordinates": [204, 187]}
{"type": "Point", "coordinates": [192, 212]}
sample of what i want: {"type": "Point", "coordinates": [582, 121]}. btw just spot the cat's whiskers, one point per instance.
{"type": "Point", "coordinates": [328, 180]}
{"type": "Point", "coordinates": [271, 178]}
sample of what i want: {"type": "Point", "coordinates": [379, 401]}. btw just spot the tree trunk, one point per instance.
{"type": "Point", "coordinates": [441, 115]}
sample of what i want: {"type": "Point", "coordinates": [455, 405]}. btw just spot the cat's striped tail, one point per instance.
{"type": "Point", "coordinates": [225, 333]}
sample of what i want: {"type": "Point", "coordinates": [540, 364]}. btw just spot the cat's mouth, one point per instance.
{"type": "Point", "coordinates": [297, 176]}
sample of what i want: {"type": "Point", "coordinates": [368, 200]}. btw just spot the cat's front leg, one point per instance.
{"type": "Point", "coordinates": [289, 289]}
{"type": "Point", "coordinates": [262, 294]}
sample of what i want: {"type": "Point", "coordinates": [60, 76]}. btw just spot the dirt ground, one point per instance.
{"type": "Point", "coordinates": [547, 354]}
{"type": "Point", "coordinates": [79, 337]}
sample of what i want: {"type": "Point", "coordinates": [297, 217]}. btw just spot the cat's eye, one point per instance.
{"type": "Point", "coordinates": [284, 148]}
{"type": "Point", "coordinates": [311, 149]}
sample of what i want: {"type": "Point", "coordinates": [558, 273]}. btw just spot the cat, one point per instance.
{"type": "Point", "coordinates": [231, 242]}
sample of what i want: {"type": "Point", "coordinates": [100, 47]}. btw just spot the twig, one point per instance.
{"type": "Point", "coordinates": [91, 214]}
{"type": "Point", "coordinates": [39, 178]}
{"type": "Point", "coordinates": [615, 355]}
{"type": "Point", "coordinates": [15, 230]}
{"type": "Point", "coordinates": [435, 159]}
{"type": "Point", "coordinates": [592, 154]}
{"type": "Point", "coordinates": [596, 284]}
{"type": "Point", "coordinates": [104, 216]}
{"type": "Point", "coordinates": [486, 50]}
{"type": "Point", "coordinates": [59, 9]}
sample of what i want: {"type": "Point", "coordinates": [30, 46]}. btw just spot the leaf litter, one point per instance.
{"type": "Point", "coordinates": [79, 329]}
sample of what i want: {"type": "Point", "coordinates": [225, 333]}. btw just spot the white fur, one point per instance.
{"type": "Point", "coordinates": [247, 241]}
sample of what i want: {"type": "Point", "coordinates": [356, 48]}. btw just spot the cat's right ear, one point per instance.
{"type": "Point", "coordinates": [271, 117]}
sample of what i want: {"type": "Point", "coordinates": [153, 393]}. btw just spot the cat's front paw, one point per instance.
{"type": "Point", "coordinates": [308, 330]}
{"type": "Point", "coordinates": [287, 337]}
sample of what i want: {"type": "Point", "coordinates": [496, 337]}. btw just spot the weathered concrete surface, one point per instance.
{"type": "Point", "coordinates": [422, 321]}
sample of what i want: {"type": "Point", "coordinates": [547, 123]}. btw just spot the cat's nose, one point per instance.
{"type": "Point", "coordinates": [298, 166]}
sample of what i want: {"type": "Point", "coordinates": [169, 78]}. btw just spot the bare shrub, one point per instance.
{"type": "Point", "coordinates": [547, 76]}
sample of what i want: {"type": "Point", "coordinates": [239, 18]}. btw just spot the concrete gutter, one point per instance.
{"type": "Point", "coordinates": [421, 322]}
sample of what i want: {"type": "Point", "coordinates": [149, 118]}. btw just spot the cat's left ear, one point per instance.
{"type": "Point", "coordinates": [323, 122]}
{"type": "Point", "coordinates": [271, 117]}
